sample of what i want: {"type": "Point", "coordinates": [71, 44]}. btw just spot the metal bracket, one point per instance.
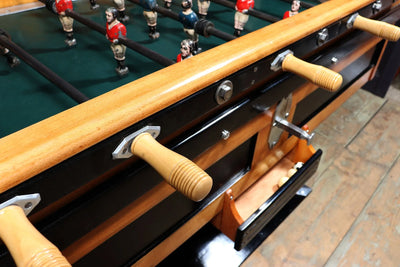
{"type": "Point", "coordinates": [123, 151]}
{"type": "Point", "coordinates": [282, 110]}
{"type": "Point", "coordinates": [293, 129]}
{"type": "Point", "coordinates": [351, 20]}
{"type": "Point", "coordinates": [277, 63]}
{"type": "Point", "coordinates": [26, 202]}
{"type": "Point", "coordinates": [304, 191]}
{"type": "Point", "coordinates": [322, 36]}
{"type": "Point", "coordinates": [377, 6]}
{"type": "Point", "coordinates": [280, 124]}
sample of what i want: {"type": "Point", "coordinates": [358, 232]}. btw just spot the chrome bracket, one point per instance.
{"type": "Point", "coordinates": [26, 202]}
{"type": "Point", "coordinates": [377, 6]}
{"type": "Point", "coordinates": [322, 36]}
{"type": "Point", "coordinates": [282, 110]}
{"type": "Point", "coordinates": [293, 129]}
{"type": "Point", "coordinates": [123, 151]}
{"type": "Point", "coordinates": [280, 124]}
{"type": "Point", "coordinates": [277, 62]}
{"type": "Point", "coordinates": [350, 21]}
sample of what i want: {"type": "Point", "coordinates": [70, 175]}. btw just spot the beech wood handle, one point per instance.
{"type": "Point", "coordinates": [26, 244]}
{"type": "Point", "coordinates": [178, 171]}
{"type": "Point", "coordinates": [319, 75]}
{"type": "Point", "coordinates": [379, 28]}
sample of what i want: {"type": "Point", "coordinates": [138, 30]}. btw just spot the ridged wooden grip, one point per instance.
{"type": "Point", "coordinates": [379, 28]}
{"type": "Point", "coordinates": [27, 246]}
{"type": "Point", "coordinates": [319, 75]}
{"type": "Point", "coordinates": [178, 171]}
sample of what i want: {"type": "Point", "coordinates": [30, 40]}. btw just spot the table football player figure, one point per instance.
{"type": "Point", "coordinates": [168, 4]}
{"type": "Point", "coordinates": [12, 60]}
{"type": "Point", "coordinates": [203, 6]}
{"type": "Point", "coordinates": [186, 50]}
{"type": "Point", "coordinates": [66, 22]}
{"type": "Point", "coordinates": [242, 15]}
{"type": "Point", "coordinates": [120, 4]}
{"type": "Point", "coordinates": [116, 30]}
{"type": "Point", "coordinates": [151, 17]}
{"type": "Point", "coordinates": [295, 7]}
{"type": "Point", "coordinates": [188, 18]}
{"type": "Point", "coordinates": [93, 4]}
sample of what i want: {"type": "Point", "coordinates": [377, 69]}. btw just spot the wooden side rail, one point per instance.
{"type": "Point", "coordinates": [11, 3]}
{"type": "Point", "coordinates": [57, 138]}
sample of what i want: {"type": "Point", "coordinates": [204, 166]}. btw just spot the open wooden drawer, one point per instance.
{"type": "Point", "coordinates": [241, 219]}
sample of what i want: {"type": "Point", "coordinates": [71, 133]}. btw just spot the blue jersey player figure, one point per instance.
{"type": "Point", "coordinates": [151, 17]}
{"type": "Point", "coordinates": [188, 18]}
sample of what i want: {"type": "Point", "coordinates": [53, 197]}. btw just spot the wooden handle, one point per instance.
{"type": "Point", "coordinates": [27, 246]}
{"type": "Point", "coordinates": [379, 28]}
{"type": "Point", "coordinates": [321, 76]}
{"type": "Point", "coordinates": [177, 170]}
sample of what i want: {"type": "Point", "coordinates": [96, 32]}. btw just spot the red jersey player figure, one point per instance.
{"type": "Point", "coordinates": [186, 50]}
{"type": "Point", "coordinates": [115, 30]}
{"type": "Point", "coordinates": [294, 9]}
{"type": "Point", "coordinates": [67, 22]}
{"type": "Point", "coordinates": [242, 15]}
{"type": "Point", "coordinates": [203, 6]}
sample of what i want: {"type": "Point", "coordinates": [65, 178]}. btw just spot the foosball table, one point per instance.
{"type": "Point", "coordinates": [124, 170]}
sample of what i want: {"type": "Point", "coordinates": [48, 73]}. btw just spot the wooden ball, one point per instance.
{"type": "Point", "coordinates": [291, 172]}
{"type": "Point", "coordinates": [283, 180]}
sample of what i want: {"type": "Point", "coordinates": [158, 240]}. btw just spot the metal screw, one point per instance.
{"type": "Point", "coordinates": [224, 92]}
{"type": "Point", "coordinates": [225, 134]}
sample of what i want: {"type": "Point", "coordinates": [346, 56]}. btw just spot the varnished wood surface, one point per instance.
{"type": "Point", "coordinates": [10, 3]}
{"type": "Point", "coordinates": [47, 143]}
{"type": "Point", "coordinates": [13, 6]}
{"type": "Point", "coordinates": [351, 218]}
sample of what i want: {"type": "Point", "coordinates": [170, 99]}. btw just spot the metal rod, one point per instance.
{"type": "Point", "coordinates": [211, 30]}
{"type": "Point", "coordinates": [43, 70]}
{"type": "Point", "coordinates": [129, 43]}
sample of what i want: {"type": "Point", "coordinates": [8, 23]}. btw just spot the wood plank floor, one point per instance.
{"type": "Point", "coordinates": [352, 217]}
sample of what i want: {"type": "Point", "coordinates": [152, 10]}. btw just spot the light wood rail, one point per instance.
{"type": "Point", "coordinates": [47, 143]}
{"type": "Point", "coordinates": [11, 3]}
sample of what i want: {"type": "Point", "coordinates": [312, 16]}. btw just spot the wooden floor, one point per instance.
{"type": "Point", "coordinates": [352, 217]}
